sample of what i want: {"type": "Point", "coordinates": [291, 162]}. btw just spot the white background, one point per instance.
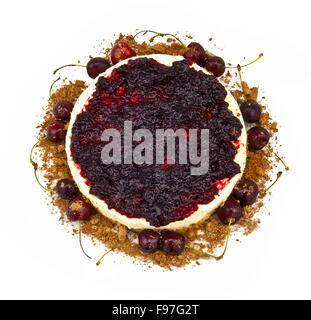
{"type": "Point", "coordinates": [39, 259]}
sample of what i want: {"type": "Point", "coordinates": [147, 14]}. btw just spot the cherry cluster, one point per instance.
{"type": "Point", "coordinates": [196, 53]}
{"type": "Point", "coordinates": [170, 242]}
{"type": "Point", "coordinates": [258, 137]}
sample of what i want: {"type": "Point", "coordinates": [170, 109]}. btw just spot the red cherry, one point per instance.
{"type": "Point", "coordinates": [97, 66]}
{"type": "Point", "coordinates": [215, 65]}
{"type": "Point", "coordinates": [230, 209]}
{"type": "Point", "coordinates": [246, 192]}
{"type": "Point", "coordinates": [121, 51]}
{"type": "Point", "coordinates": [79, 209]}
{"type": "Point", "coordinates": [195, 53]}
{"type": "Point", "coordinates": [56, 131]}
{"type": "Point", "coordinates": [62, 110]}
{"type": "Point", "coordinates": [251, 111]}
{"type": "Point", "coordinates": [148, 241]}
{"type": "Point", "coordinates": [66, 189]}
{"type": "Point", "coordinates": [258, 138]}
{"type": "Point", "coordinates": [172, 243]}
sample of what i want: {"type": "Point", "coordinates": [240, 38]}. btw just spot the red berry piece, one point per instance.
{"type": "Point", "coordinates": [121, 51]}
{"type": "Point", "coordinates": [148, 241]}
{"type": "Point", "coordinates": [195, 53]}
{"type": "Point", "coordinates": [97, 66]}
{"type": "Point", "coordinates": [79, 209]}
{"type": "Point", "coordinates": [215, 65]}
{"type": "Point", "coordinates": [230, 209]}
{"type": "Point", "coordinates": [246, 191]}
{"type": "Point", "coordinates": [62, 110]}
{"type": "Point", "coordinates": [56, 131]}
{"type": "Point", "coordinates": [172, 243]}
{"type": "Point", "coordinates": [66, 189]}
{"type": "Point", "coordinates": [251, 111]}
{"type": "Point", "coordinates": [258, 138]}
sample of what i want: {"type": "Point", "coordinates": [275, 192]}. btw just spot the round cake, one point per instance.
{"type": "Point", "coordinates": [156, 92]}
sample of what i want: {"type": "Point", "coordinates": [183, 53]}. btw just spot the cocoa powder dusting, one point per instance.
{"type": "Point", "coordinates": [208, 236]}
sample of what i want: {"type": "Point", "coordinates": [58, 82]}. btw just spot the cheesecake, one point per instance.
{"type": "Point", "coordinates": [156, 92]}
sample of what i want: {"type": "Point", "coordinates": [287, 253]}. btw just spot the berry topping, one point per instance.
{"type": "Point", "coordinates": [148, 241]}
{"type": "Point", "coordinates": [251, 111]}
{"type": "Point", "coordinates": [66, 189]}
{"type": "Point", "coordinates": [97, 66]}
{"type": "Point", "coordinates": [172, 243]}
{"type": "Point", "coordinates": [62, 110]}
{"type": "Point", "coordinates": [230, 209]}
{"type": "Point", "coordinates": [246, 192]}
{"type": "Point", "coordinates": [56, 131]}
{"type": "Point", "coordinates": [215, 65]}
{"type": "Point", "coordinates": [161, 193]}
{"type": "Point", "coordinates": [79, 209]}
{"type": "Point", "coordinates": [195, 53]}
{"type": "Point", "coordinates": [258, 137]}
{"type": "Point", "coordinates": [121, 51]}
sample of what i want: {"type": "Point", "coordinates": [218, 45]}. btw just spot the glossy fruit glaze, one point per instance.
{"type": "Point", "coordinates": [154, 96]}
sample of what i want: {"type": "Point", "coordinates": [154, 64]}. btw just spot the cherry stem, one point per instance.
{"type": "Point", "coordinates": [80, 241]}
{"type": "Point", "coordinates": [277, 178]}
{"type": "Point", "coordinates": [159, 34]}
{"type": "Point", "coordinates": [42, 186]}
{"type": "Point", "coordinates": [242, 86]}
{"type": "Point", "coordinates": [51, 87]}
{"type": "Point", "coordinates": [98, 262]}
{"type": "Point", "coordinates": [35, 165]}
{"type": "Point", "coordinates": [31, 161]}
{"type": "Point", "coordinates": [248, 64]}
{"type": "Point", "coordinates": [69, 65]}
{"type": "Point", "coordinates": [285, 166]}
{"type": "Point", "coordinates": [210, 255]}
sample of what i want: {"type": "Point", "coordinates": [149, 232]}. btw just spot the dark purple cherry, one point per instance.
{"type": "Point", "coordinates": [62, 110]}
{"type": "Point", "coordinates": [246, 191]}
{"type": "Point", "coordinates": [172, 243]}
{"type": "Point", "coordinates": [148, 241]}
{"type": "Point", "coordinates": [230, 209]}
{"type": "Point", "coordinates": [215, 65]}
{"type": "Point", "coordinates": [121, 51]}
{"type": "Point", "coordinates": [66, 189]}
{"type": "Point", "coordinates": [195, 53]}
{"type": "Point", "coordinates": [258, 137]}
{"type": "Point", "coordinates": [56, 130]}
{"type": "Point", "coordinates": [251, 111]}
{"type": "Point", "coordinates": [79, 209]}
{"type": "Point", "coordinates": [97, 66]}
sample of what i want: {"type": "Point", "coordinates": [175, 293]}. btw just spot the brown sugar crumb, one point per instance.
{"type": "Point", "coordinates": [208, 236]}
{"type": "Point", "coordinates": [171, 47]}
{"type": "Point", "coordinates": [122, 233]}
{"type": "Point", "coordinates": [247, 94]}
{"type": "Point", "coordinates": [266, 122]}
{"type": "Point", "coordinates": [76, 205]}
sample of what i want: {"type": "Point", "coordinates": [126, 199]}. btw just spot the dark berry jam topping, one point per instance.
{"type": "Point", "coordinates": [154, 96]}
